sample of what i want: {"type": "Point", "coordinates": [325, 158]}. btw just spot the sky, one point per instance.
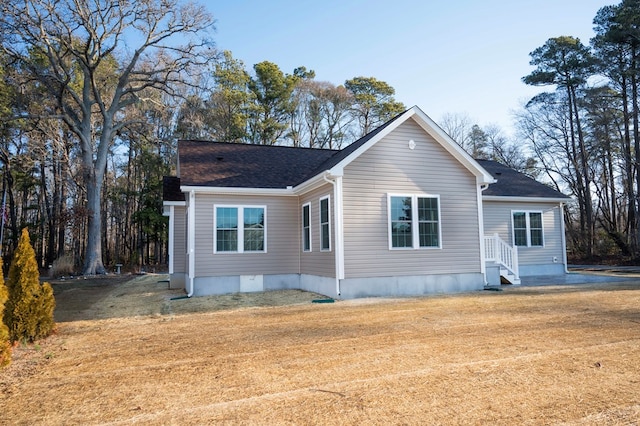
{"type": "Point", "coordinates": [446, 56]}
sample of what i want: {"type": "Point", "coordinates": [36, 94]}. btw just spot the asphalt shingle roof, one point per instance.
{"type": "Point", "coordinates": [246, 166]}
{"type": "Point", "coordinates": [257, 166]}
{"type": "Point", "coordinates": [171, 189]}
{"type": "Point", "coordinates": [511, 183]}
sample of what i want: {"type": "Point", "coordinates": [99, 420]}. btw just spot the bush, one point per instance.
{"type": "Point", "coordinates": [29, 308]}
{"type": "Point", "coordinates": [5, 344]}
{"type": "Point", "coordinates": [64, 265]}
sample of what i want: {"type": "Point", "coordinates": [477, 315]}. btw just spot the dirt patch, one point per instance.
{"type": "Point", "coordinates": [75, 296]}
{"type": "Point", "coordinates": [550, 355]}
{"type": "Point", "coordinates": [121, 296]}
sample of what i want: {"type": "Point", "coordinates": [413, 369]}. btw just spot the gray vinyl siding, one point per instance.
{"type": "Point", "coordinates": [391, 167]}
{"type": "Point", "coordinates": [179, 239]}
{"type": "Point", "coordinates": [282, 238]}
{"type": "Point", "coordinates": [497, 219]}
{"type": "Point", "coordinates": [316, 262]}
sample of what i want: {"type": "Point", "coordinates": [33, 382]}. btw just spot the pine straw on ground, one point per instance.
{"type": "Point", "coordinates": [546, 355]}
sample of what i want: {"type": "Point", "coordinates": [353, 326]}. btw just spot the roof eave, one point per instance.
{"type": "Point", "coordinates": [238, 190]}
{"type": "Point", "coordinates": [523, 199]}
{"type": "Point", "coordinates": [431, 127]}
{"type": "Point", "coordinates": [174, 203]}
{"type": "Point", "coordinates": [314, 182]}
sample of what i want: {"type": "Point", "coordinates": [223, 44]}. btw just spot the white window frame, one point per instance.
{"type": "Point", "coordinates": [328, 223]}
{"type": "Point", "coordinates": [310, 230]}
{"type": "Point", "coordinates": [415, 223]}
{"type": "Point", "coordinates": [240, 232]}
{"type": "Point", "coordinates": [527, 214]}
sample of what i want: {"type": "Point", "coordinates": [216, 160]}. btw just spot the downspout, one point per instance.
{"type": "Point", "coordinates": [563, 239]}
{"type": "Point", "coordinates": [483, 262]}
{"type": "Point", "coordinates": [336, 181]}
{"type": "Point", "coordinates": [172, 220]}
{"type": "Point", "coordinates": [191, 222]}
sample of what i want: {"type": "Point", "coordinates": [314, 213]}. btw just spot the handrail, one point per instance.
{"type": "Point", "coordinates": [499, 251]}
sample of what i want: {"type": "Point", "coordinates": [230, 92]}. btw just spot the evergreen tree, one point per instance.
{"type": "Point", "coordinates": [271, 91]}
{"type": "Point", "coordinates": [29, 308]}
{"type": "Point", "coordinates": [373, 102]}
{"type": "Point", "coordinates": [5, 344]}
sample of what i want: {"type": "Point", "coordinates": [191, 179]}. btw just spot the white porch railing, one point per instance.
{"type": "Point", "coordinates": [498, 251]}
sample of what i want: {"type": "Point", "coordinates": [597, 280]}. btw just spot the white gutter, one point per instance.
{"type": "Point", "coordinates": [238, 191]}
{"type": "Point", "coordinates": [336, 181]}
{"type": "Point", "coordinates": [525, 199]}
{"type": "Point", "coordinates": [191, 221]}
{"type": "Point", "coordinates": [310, 184]}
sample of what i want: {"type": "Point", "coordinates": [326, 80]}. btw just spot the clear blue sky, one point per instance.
{"type": "Point", "coordinates": [446, 56]}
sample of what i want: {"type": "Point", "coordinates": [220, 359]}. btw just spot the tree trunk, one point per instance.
{"type": "Point", "coordinates": [584, 163]}
{"type": "Point", "coordinates": [93, 174]}
{"type": "Point", "coordinates": [636, 139]}
{"type": "Point", "coordinates": [93, 252]}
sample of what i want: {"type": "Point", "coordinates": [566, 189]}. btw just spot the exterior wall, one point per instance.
{"type": "Point", "coordinates": [546, 260]}
{"type": "Point", "coordinates": [316, 262]}
{"type": "Point", "coordinates": [391, 166]}
{"type": "Point", "coordinates": [282, 230]}
{"type": "Point", "coordinates": [179, 255]}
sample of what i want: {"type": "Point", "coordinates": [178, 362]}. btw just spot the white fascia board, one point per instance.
{"type": "Point", "coordinates": [238, 191]}
{"type": "Point", "coordinates": [168, 206]}
{"type": "Point", "coordinates": [526, 199]}
{"type": "Point", "coordinates": [338, 169]}
{"type": "Point", "coordinates": [430, 126]}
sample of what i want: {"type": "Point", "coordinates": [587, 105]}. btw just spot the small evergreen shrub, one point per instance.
{"type": "Point", "coordinates": [29, 308]}
{"type": "Point", "coordinates": [5, 343]}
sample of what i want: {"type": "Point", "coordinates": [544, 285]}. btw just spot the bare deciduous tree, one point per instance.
{"type": "Point", "coordinates": [95, 58]}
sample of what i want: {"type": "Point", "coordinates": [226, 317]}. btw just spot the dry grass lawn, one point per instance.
{"type": "Point", "coordinates": [544, 355]}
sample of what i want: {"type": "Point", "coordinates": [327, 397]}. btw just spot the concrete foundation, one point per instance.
{"type": "Point", "coordinates": [410, 286]}
{"type": "Point", "coordinates": [350, 288]}
{"type": "Point", "coordinates": [177, 280]}
{"type": "Point", "coordinates": [541, 270]}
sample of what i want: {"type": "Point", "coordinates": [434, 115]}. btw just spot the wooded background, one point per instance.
{"type": "Point", "coordinates": [94, 95]}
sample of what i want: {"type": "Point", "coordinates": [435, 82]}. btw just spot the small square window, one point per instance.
{"type": "Point", "coordinates": [410, 230]}
{"type": "Point", "coordinates": [527, 229]}
{"type": "Point", "coordinates": [249, 237]}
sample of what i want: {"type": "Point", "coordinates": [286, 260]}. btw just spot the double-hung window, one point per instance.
{"type": "Point", "coordinates": [414, 221]}
{"type": "Point", "coordinates": [240, 229]}
{"type": "Point", "coordinates": [306, 227]}
{"type": "Point", "coordinates": [325, 224]}
{"type": "Point", "coordinates": [527, 229]}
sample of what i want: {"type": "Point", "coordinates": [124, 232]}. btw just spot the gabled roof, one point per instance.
{"type": "Point", "coordinates": [429, 126]}
{"type": "Point", "coordinates": [231, 165]}
{"type": "Point", "coordinates": [511, 183]}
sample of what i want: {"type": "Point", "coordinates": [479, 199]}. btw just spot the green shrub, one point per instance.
{"type": "Point", "coordinates": [5, 343]}
{"type": "Point", "coordinates": [29, 308]}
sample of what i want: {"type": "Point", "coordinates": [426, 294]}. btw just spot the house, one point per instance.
{"type": "Point", "coordinates": [402, 211]}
